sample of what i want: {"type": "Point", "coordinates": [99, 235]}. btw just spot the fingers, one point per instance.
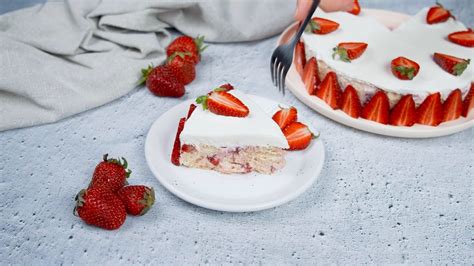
{"type": "Point", "coordinates": [302, 8]}
{"type": "Point", "coordinates": [340, 5]}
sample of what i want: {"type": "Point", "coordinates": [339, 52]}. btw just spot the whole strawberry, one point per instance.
{"type": "Point", "coordinates": [162, 81]}
{"type": "Point", "coordinates": [137, 199]}
{"type": "Point", "coordinates": [100, 207]}
{"type": "Point", "coordinates": [182, 67]}
{"type": "Point", "coordinates": [111, 174]}
{"type": "Point", "coordinates": [187, 44]}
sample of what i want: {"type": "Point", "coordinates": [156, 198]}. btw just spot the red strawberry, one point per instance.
{"type": "Point", "coordinates": [223, 103]}
{"type": "Point", "coordinates": [285, 116]}
{"type": "Point", "coordinates": [182, 68]}
{"type": "Point", "coordinates": [100, 207]}
{"type": "Point", "coordinates": [468, 103]}
{"type": "Point", "coordinates": [464, 38]}
{"type": "Point", "coordinates": [300, 58]}
{"type": "Point", "coordinates": [162, 81]}
{"type": "Point", "coordinates": [356, 9]}
{"type": "Point", "coordinates": [350, 102]}
{"type": "Point", "coordinates": [453, 106]}
{"type": "Point", "coordinates": [430, 112]}
{"type": "Point", "coordinates": [451, 64]}
{"type": "Point", "coordinates": [298, 136]}
{"type": "Point", "coordinates": [404, 68]}
{"type": "Point", "coordinates": [187, 44]}
{"type": "Point", "coordinates": [404, 112]}
{"type": "Point", "coordinates": [321, 26]}
{"type": "Point", "coordinates": [329, 91]}
{"type": "Point", "coordinates": [226, 87]}
{"type": "Point", "coordinates": [377, 109]}
{"type": "Point", "coordinates": [191, 109]}
{"type": "Point", "coordinates": [175, 154]}
{"type": "Point", "coordinates": [348, 51]}
{"type": "Point", "coordinates": [437, 14]}
{"type": "Point", "coordinates": [111, 174]}
{"type": "Point", "coordinates": [137, 199]}
{"type": "Point", "coordinates": [311, 76]}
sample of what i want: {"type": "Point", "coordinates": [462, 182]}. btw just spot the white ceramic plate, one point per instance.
{"type": "Point", "coordinates": [296, 86]}
{"type": "Point", "coordinates": [234, 193]}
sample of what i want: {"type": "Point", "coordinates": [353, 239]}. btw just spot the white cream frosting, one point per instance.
{"type": "Point", "coordinates": [257, 129]}
{"type": "Point", "coordinates": [414, 39]}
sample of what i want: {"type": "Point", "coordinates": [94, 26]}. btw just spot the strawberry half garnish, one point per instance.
{"type": "Point", "coordinates": [404, 112]}
{"type": "Point", "coordinates": [298, 136]}
{"type": "Point", "coordinates": [223, 103]}
{"type": "Point", "coordinates": [468, 103]}
{"type": "Point", "coordinates": [187, 44]}
{"type": "Point", "coordinates": [453, 106]}
{"type": "Point", "coordinates": [451, 64]}
{"type": "Point", "coordinates": [175, 154]}
{"type": "Point", "coordinates": [330, 91]}
{"type": "Point", "coordinates": [430, 112]}
{"type": "Point", "coordinates": [350, 103]}
{"type": "Point", "coordinates": [348, 51]}
{"type": "Point", "coordinates": [311, 76]}
{"type": "Point", "coordinates": [356, 9]}
{"type": "Point", "coordinates": [285, 116]}
{"type": "Point", "coordinates": [182, 67]}
{"type": "Point", "coordinates": [404, 68]}
{"type": "Point", "coordinates": [464, 38]}
{"type": "Point", "coordinates": [437, 14]}
{"type": "Point", "coordinates": [377, 109]}
{"type": "Point", "coordinates": [300, 58]}
{"type": "Point", "coordinates": [321, 26]}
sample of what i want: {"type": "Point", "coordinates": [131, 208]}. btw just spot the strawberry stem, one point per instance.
{"type": "Point", "coordinates": [202, 100]}
{"type": "Point", "coordinates": [342, 53]}
{"type": "Point", "coordinates": [145, 73]}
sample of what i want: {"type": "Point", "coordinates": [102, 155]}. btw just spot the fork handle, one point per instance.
{"type": "Point", "coordinates": [300, 31]}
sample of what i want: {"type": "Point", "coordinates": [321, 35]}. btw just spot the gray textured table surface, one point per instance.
{"type": "Point", "coordinates": [378, 199]}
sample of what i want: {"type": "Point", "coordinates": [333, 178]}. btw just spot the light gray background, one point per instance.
{"type": "Point", "coordinates": [378, 199]}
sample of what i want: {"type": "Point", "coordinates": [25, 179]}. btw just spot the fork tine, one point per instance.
{"type": "Point", "coordinates": [281, 85]}
{"type": "Point", "coordinates": [277, 73]}
{"type": "Point", "coordinates": [272, 66]}
{"type": "Point", "coordinates": [284, 72]}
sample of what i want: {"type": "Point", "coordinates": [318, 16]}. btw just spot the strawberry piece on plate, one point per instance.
{"type": "Point", "coordinates": [223, 103]}
{"type": "Point", "coordinates": [175, 154]}
{"type": "Point", "coordinates": [404, 68]}
{"type": "Point", "coordinates": [300, 58]}
{"type": "Point", "coordinates": [348, 51]}
{"type": "Point", "coordinates": [468, 103]}
{"type": "Point", "coordinates": [311, 76]}
{"type": "Point", "coordinates": [404, 112]}
{"type": "Point", "coordinates": [377, 109]}
{"type": "Point", "coordinates": [451, 64]}
{"type": "Point", "coordinates": [430, 112]}
{"type": "Point", "coordinates": [437, 14]}
{"type": "Point", "coordinates": [298, 136]}
{"type": "Point", "coordinates": [453, 106]}
{"type": "Point", "coordinates": [350, 102]}
{"type": "Point", "coordinates": [464, 38]}
{"type": "Point", "coordinates": [330, 91]}
{"type": "Point", "coordinates": [191, 109]}
{"type": "Point", "coordinates": [285, 116]}
{"type": "Point", "coordinates": [321, 26]}
{"type": "Point", "coordinates": [356, 9]}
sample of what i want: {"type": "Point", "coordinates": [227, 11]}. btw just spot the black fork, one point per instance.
{"type": "Point", "coordinates": [282, 57]}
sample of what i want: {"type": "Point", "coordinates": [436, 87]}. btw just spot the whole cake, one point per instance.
{"type": "Point", "coordinates": [417, 73]}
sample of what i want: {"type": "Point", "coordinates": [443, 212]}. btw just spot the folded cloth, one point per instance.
{"type": "Point", "coordinates": [62, 58]}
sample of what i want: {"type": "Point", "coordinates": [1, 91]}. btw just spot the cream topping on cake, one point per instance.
{"type": "Point", "coordinates": [257, 129]}
{"type": "Point", "coordinates": [414, 39]}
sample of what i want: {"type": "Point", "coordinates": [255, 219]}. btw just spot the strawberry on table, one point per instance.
{"type": "Point", "coordinates": [430, 112]}
{"type": "Point", "coordinates": [223, 103]}
{"type": "Point", "coordinates": [298, 136]}
{"type": "Point", "coordinates": [187, 44]}
{"type": "Point", "coordinates": [182, 67]}
{"type": "Point", "coordinates": [111, 174]}
{"type": "Point", "coordinates": [348, 51]}
{"type": "Point", "coordinates": [300, 58]}
{"type": "Point", "coordinates": [162, 81]}
{"type": "Point", "coordinates": [175, 153]}
{"type": "Point", "coordinates": [137, 199]}
{"type": "Point", "coordinates": [100, 207]}
{"type": "Point", "coordinates": [468, 103]}
{"type": "Point", "coordinates": [350, 103]}
{"type": "Point", "coordinates": [451, 64]}
{"type": "Point", "coordinates": [464, 38]}
{"type": "Point", "coordinates": [404, 68]}
{"type": "Point", "coordinates": [311, 76]}
{"type": "Point", "coordinates": [285, 116]}
{"type": "Point", "coordinates": [321, 26]}
{"type": "Point", "coordinates": [437, 14]}
{"type": "Point", "coordinates": [356, 9]}
{"type": "Point", "coordinates": [377, 109]}
{"type": "Point", "coordinates": [404, 112]}
{"type": "Point", "coordinates": [330, 91]}
{"type": "Point", "coordinates": [453, 106]}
